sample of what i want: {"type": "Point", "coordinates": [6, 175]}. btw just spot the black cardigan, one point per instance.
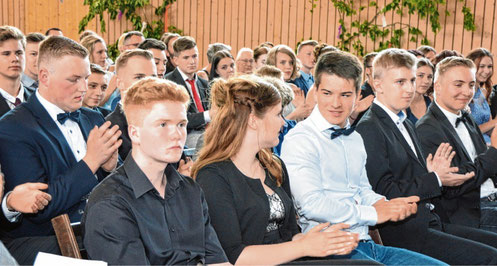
{"type": "Point", "coordinates": [239, 207]}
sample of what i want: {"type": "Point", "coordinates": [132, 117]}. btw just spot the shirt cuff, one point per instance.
{"type": "Point", "coordinates": [368, 215]}
{"type": "Point", "coordinates": [12, 216]}
{"type": "Point", "coordinates": [438, 179]}
{"type": "Point", "coordinates": [207, 117]}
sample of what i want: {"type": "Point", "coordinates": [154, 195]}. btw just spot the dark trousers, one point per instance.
{"type": "Point", "coordinates": [488, 218]}
{"type": "Point", "coordinates": [25, 249]}
{"type": "Point", "coordinates": [456, 244]}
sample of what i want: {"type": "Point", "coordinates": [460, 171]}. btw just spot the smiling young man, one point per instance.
{"type": "Point", "coordinates": [146, 212]}
{"type": "Point", "coordinates": [447, 121]}
{"type": "Point", "coordinates": [325, 159]}
{"type": "Point", "coordinates": [396, 167]}
{"type": "Point", "coordinates": [52, 140]}
{"type": "Point", "coordinates": [98, 81]}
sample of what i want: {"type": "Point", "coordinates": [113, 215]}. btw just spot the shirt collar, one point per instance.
{"type": "Point", "coordinates": [11, 98]}
{"type": "Point", "coordinates": [140, 182]}
{"type": "Point", "coordinates": [305, 75]}
{"type": "Point", "coordinates": [184, 76]}
{"type": "Point", "coordinates": [395, 117]}
{"type": "Point", "coordinates": [52, 109]}
{"type": "Point", "coordinates": [320, 122]}
{"type": "Point", "coordinates": [27, 81]}
{"type": "Point", "coordinates": [450, 116]}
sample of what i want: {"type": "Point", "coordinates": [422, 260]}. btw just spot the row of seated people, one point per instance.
{"type": "Point", "coordinates": [245, 124]}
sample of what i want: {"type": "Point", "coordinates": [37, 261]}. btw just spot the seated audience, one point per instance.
{"type": "Point", "coordinates": [305, 53]}
{"type": "Point", "coordinates": [146, 213]}
{"type": "Point", "coordinates": [29, 78]}
{"type": "Point", "coordinates": [186, 59]}
{"type": "Point", "coordinates": [245, 63]}
{"type": "Point", "coordinates": [473, 203]}
{"type": "Point", "coordinates": [428, 51]}
{"type": "Point", "coordinates": [337, 190]}
{"type": "Point", "coordinates": [158, 49]}
{"type": "Point", "coordinates": [52, 140]}
{"type": "Point", "coordinates": [12, 92]}
{"type": "Point", "coordinates": [247, 188]}
{"type": "Point", "coordinates": [223, 65]}
{"type": "Point", "coordinates": [480, 108]}
{"type": "Point", "coordinates": [131, 66]}
{"type": "Point", "coordinates": [396, 167]}
{"type": "Point", "coordinates": [97, 49]}
{"type": "Point", "coordinates": [212, 49]}
{"type": "Point", "coordinates": [424, 81]}
{"type": "Point", "coordinates": [260, 55]}
{"type": "Point", "coordinates": [98, 81]}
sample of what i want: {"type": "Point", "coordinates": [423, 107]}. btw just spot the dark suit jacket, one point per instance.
{"type": "Point", "coordinates": [4, 106]}
{"type": "Point", "coordinates": [493, 101]}
{"type": "Point", "coordinates": [33, 149]}
{"type": "Point", "coordinates": [196, 120]}
{"type": "Point", "coordinates": [117, 117]}
{"type": "Point", "coordinates": [395, 171]}
{"type": "Point", "coordinates": [461, 203]}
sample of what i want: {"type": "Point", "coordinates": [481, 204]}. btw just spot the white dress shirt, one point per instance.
{"type": "Point", "coordinates": [487, 187]}
{"type": "Point", "coordinates": [207, 117]}
{"type": "Point", "coordinates": [11, 99]}
{"type": "Point", "coordinates": [328, 177]}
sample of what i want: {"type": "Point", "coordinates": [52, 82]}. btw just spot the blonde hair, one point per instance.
{"type": "Point", "coordinates": [123, 59]}
{"type": "Point", "coordinates": [12, 33]}
{"type": "Point", "coordinates": [55, 47]}
{"type": "Point", "coordinates": [150, 90]}
{"type": "Point", "coordinates": [236, 99]}
{"type": "Point", "coordinates": [269, 71]}
{"type": "Point", "coordinates": [89, 43]}
{"type": "Point", "coordinates": [451, 62]}
{"type": "Point", "coordinates": [392, 58]}
{"type": "Point", "coordinates": [271, 58]}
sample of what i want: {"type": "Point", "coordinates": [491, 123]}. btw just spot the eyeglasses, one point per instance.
{"type": "Point", "coordinates": [247, 61]}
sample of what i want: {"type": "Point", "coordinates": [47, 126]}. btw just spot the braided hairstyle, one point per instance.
{"type": "Point", "coordinates": [236, 99]}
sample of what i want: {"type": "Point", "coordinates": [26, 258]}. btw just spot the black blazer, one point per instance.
{"type": "Point", "coordinates": [4, 106]}
{"type": "Point", "coordinates": [239, 207]}
{"type": "Point", "coordinates": [196, 120]}
{"type": "Point", "coordinates": [395, 171]}
{"type": "Point", "coordinates": [461, 203]}
{"type": "Point", "coordinates": [117, 117]}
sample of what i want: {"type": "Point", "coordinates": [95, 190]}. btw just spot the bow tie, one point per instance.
{"type": "Point", "coordinates": [464, 118]}
{"type": "Point", "coordinates": [74, 116]}
{"type": "Point", "coordinates": [341, 131]}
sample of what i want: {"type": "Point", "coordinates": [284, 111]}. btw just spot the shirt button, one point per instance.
{"type": "Point", "coordinates": [80, 211]}
{"type": "Point", "coordinates": [172, 229]}
{"type": "Point", "coordinates": [78, 151]}
{"type": "Point", "coordinates": [70, 131]}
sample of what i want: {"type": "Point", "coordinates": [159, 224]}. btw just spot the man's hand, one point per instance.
{"type": "Point", "coordinates": [363, 104]}
{"type": "Point", "coordinates": [395, 209]}
{"type": "Point", "coordinates": [440, 164]}
{"type": "Point", "coordinates": [322, 241]}
{"type": "Point", "coordinates": [102, 144]}
{"type": "Point", "coordinates": [299, 98]}
{"type": "Point", "coordinates": [111, 164]}
{"type": "Point", "coordinates": [28, 198]}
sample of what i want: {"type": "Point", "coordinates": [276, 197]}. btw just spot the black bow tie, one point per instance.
{"type": "Point", "coordinates": [74, 116]}
{"type": "Point", "coordinates": [464, 118]}
{"type": "Point", "coordinates": [341, 131]}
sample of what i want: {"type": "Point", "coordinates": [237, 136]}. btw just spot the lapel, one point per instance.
{"type": "Point", "coordinates": [50, 127]}
{"type": "Point", "coordinates": [390, 125]}
{"type": "Point", "coordinates": [447, 126]}
{"type": "Point", "coordinates": [476, 136]}
{"type": "Point", "coordinates": [201, 89]}
{"type": "Point", "coordinates": [410, 129]}
{"type": "Point", "coordinates": [85, 125]}
{"type": "Point", "coordinates": [4, 106]}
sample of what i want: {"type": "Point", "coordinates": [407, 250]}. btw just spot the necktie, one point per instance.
{"type": "Point", "coordinates": [74, 116]}
{"type": "Point", "coordinates": [196, 96]}
{"type": "Point", "coordinates": [463, 118]}
{"type": "Point", "coordinates": [341, 131]}
{"type": "Point", "coordinates": [18, 102]}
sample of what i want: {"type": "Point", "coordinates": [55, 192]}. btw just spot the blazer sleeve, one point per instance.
{"type": "Point", "coordinates": [222, 210]}
{"type": "Point", "coordinates": [484, 166]}
{"type": "Point", "coordinates": [383, 179]}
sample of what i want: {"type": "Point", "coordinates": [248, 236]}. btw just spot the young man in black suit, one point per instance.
{"type": "Point", "coordinates": [12, 63]}
{"type": "Point", "coordinates": [186, 59]}
{"type": "Point", "coordinates": [473, 203]}
{"type": "Point", "coordinates": [51, 139]}
{"type": "Point", "coordinates": [396, 167]}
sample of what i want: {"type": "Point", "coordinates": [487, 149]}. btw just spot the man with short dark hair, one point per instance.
{"type": "Point", "coordinates": [158, 49]}
{"type": "Point", "coordinates": [186, 58]}
{"type": "Point", "coordinates": [169, 40]}
{"type": "Point", "coordinates": [12, 63]}
{"type": "Point", "coordinates": [98, 81]}
{"type": "Point", "coordinates": [132, 39]}
{"type": "Point", "coordinates": [51, 139]}
{"type": "Point", "coordinates": [54, 32]}
{"type": "Point", "coordinates": [30, 76]}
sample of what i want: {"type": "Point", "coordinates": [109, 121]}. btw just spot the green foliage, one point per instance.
{"type": "Point", "coordinates": [389, 35]}
{"type": "Point", "coordinates": [127, 9]}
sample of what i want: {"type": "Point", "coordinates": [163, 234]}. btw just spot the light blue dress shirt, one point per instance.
{"type": "Point", "coordinates": [328, 177]}
{"type": "Point", "coordinates": [308, 78]}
